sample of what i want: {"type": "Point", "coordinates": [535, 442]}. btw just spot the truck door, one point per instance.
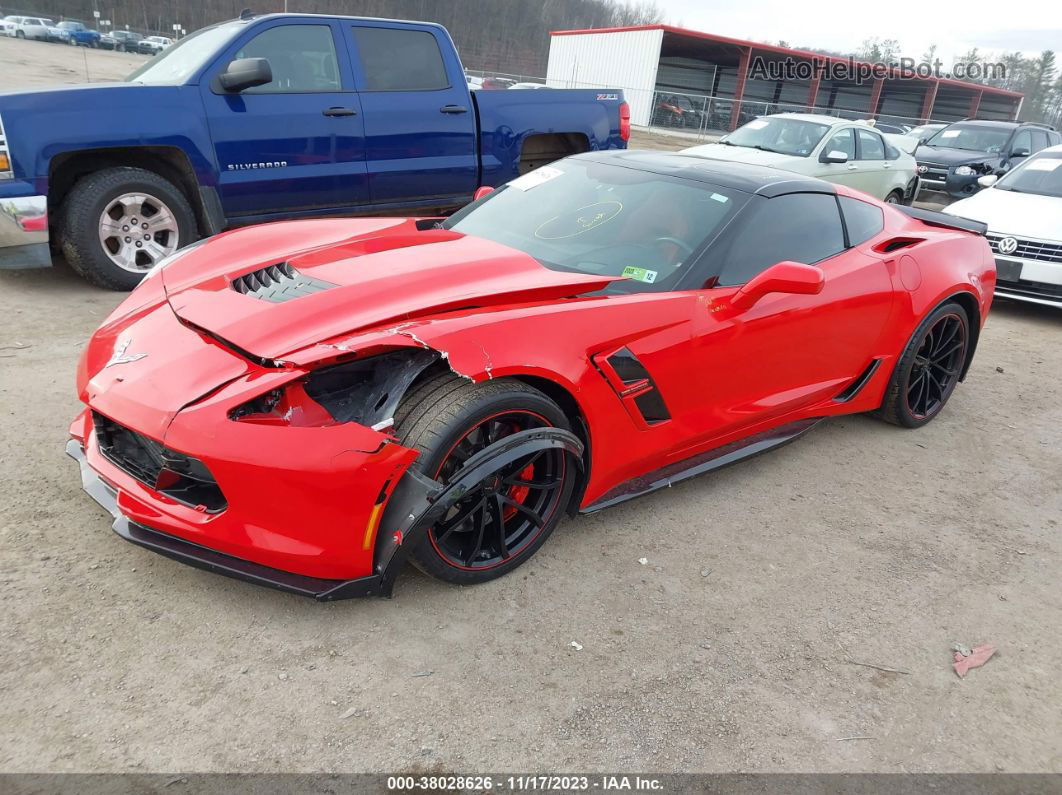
{"type": "Point", "coordinates": [420, 125]}
{"type": "Point", "coordinates": [297, 142]}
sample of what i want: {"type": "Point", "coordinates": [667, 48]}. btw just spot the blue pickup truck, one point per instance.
{"type": "Point", "coordinates": [266, 118]}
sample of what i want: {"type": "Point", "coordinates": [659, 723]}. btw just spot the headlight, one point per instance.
{"type": "Point", "coordinates": [965, 171]}
{"type": "Point", "coordinates": [365, 391]}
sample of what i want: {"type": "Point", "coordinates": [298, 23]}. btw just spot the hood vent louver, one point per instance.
{"type": "Point", "coordinates": [278, 283]}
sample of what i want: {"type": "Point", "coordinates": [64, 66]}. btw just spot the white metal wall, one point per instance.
{"type": "Point", "coordinates": [626, 60]}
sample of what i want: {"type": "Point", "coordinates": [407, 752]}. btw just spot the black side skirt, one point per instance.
{"type": "Point", "coordinates": [703, 462]}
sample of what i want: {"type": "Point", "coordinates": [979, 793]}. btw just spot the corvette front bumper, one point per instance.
{"type": "Point", "coordinates": [407, 503]}
{"type": "Point", "coordinates": [416, 503]}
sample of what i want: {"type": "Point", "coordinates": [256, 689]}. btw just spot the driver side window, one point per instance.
{"type": "Point", "coordinates": [1022, 142]}
{"type": "Point", "coordinates": [801, 227]}
{"type": "Point", "coordinates": [302, 58]}
{"type": "Point", "coordinates": [842, 141]}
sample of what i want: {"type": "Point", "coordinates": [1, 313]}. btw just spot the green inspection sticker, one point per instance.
{"type": "Point", "coordinates": [640, 274]}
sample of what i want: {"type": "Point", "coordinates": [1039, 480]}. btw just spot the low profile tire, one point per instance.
{"type": "Point", "coordinates": [116, 224]}
{"type": "Point", "coordinates": [896, 197]}
{"type": "Point", "coordinates": [927, 372]}
{"type": "Point", "coordinates": [502, 522]}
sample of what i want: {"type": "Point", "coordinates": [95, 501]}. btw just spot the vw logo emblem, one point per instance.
{"type": "Point", "coordinates": [1008, 245]}
{"type": "Point", "coordinates": [923, 169]}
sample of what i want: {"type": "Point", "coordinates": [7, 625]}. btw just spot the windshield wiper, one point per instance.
{"type": "Point", "coordinates": [727, 143]}
{"type": "Point", "coordinates": [763, 148]}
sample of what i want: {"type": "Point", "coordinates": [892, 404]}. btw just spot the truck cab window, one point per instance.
{"type": "Point", "coordinates": [302, 57]}
{"type": "Point", "coordinates": [400, 60]}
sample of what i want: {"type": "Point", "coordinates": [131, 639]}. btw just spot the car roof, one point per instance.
{"type": "Point", "coordinates": [1000, 123]}
{"type": "Point", "coordinates": [818, 118]}
{"type": "Point", "coordinates": [760, 180]}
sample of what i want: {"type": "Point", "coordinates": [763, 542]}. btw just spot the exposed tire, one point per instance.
{"type": "Point", "coordinates": [928, 370]}
{"type": "Point", "coordinates": [19, 34]}
{"type": "Point", "coordinates": [445, 418]}
{"type": "Point", "coordinates": [896, 197]}
{"type": "Point", "coordinates": [141, 208]}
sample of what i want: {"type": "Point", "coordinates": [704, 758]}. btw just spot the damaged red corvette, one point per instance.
{"type": "Point", "coordinates": [308, 404]}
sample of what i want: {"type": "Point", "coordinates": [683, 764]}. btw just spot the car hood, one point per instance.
{"type": "Point", "coordinates": [745, 154]}
{"type": "Point", "coordinates": [950, 157]}
{"type": "Point", "coordinates": [1010, 213]}
{"type": "Point", "coordinates": [274, 289]}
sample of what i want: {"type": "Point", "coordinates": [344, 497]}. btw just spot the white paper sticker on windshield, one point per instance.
{"type": "Point", "coordinates": [533, 179]}
{"type": "Point", "coordinates": [757, 124]}
{"type": "Point", "coordinates": [950, 133]}
{"type": "Point", "coordinates": [1044, 164]}
{"type": "Point", "coordinates": [719, 197]}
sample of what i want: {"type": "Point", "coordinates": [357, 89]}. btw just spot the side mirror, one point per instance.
{"type": "Point", "coordinates": [1020, 153]}
{"type": "Point", "coordinates": [835, 156]}
{"type": "Point", "coordinates": [783, 277]}
{"type": "Point", "coordinates": [481, 191]}
{"type": "Point", "coordinates": [244, 73]}
{"type": "Point", "coordinates": [988, 180]}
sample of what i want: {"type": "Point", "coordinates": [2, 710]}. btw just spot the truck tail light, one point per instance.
{"type": "Point", "coordinates": [625, 121]}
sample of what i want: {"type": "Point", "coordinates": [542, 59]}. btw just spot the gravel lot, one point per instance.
{"type": "Point", "coordinates": [728, 651]}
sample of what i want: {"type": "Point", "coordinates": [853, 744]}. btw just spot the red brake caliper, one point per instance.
{"type": "Point", "coordinates": [519, 493]}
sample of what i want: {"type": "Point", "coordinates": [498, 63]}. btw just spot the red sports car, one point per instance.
{"type": "Point", "coordinates": [307, 404]}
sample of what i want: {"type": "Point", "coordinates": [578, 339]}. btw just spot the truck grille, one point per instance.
{"type": "Point", "coordinates": [181, 478]}
{"type": "Point", "coordinates": [1028, 249]}
{"type": "Point", "coordinates": [278, 283]}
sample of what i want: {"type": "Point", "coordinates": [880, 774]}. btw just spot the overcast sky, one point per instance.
{"type": "Point", "coordinates": [954, 26]}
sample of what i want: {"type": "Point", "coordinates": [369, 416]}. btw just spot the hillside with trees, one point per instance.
{"type": "Point", "coordinates": [501, 35]}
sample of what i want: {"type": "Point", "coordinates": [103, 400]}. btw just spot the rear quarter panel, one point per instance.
{"type": "Point", "coordinates": [507, 117]}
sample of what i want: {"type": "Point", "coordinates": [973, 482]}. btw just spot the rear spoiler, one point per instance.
{"type": "Point", "coordinates": [944, 221]}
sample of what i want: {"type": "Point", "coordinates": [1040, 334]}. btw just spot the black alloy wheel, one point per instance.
{"type": "Point", "coordinates": [506, 511]}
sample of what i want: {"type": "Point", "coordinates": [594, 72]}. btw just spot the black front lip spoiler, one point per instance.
{"type": "Point", "coordinates": [210, 560]}
{"type": "Point", "coordinates": [416, 503]}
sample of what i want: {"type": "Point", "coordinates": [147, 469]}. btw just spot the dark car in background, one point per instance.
{"type": "Point", "coordinates": [126, 40]}
{"type": "Point", "coordinates": [952, 160]}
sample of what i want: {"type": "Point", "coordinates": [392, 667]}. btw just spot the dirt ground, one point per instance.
{"type": "Point", "coordinates": [732, 649]}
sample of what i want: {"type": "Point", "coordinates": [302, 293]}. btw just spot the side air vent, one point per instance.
{"type": "Point", "coordinates": [896, 243]}
{"type": "Point", "coordinates": [635, 387]}
{"type": "Point", "coordinates": [278, 283]}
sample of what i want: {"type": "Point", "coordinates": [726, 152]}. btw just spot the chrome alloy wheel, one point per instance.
{"type": "Point", "coordinates": [137, 230]}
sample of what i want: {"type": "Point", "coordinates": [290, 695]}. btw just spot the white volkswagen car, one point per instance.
{"type": "Point", "coordinates": [1023, 210]}
{"type": "Point", "coordinates": [847, 152]}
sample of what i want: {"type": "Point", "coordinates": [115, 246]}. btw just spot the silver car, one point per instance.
{"type": "Point", "coordinates": [846, 152]}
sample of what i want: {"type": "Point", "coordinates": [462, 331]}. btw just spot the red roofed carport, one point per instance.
{"type": "Point", "coordinates": [734, 80]}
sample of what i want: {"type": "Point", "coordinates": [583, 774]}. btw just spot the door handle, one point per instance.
{"type": "Point", "coordinates": [887, 165]}
{"type": "Point", "coordinates": [852, 166]}
{"type": "Point", "coordinates": [453, 109]}
{"type": "Point", "coordinates": [339, 111]}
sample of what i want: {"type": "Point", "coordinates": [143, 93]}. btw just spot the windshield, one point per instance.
{"type": "Point", "coordinates": [972, 137]}
{"type": "Point", "coordinates": [1040, 174]}
{"type": "Point", "coordinates": [177, 63]}
{"type": "Point", "coordinates": [779, 134]}
{"type": "Point", "coordinates": [603, 219]}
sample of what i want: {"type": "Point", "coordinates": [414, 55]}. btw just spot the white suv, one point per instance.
{"type": "Point", "coordinates": [849, 153]}
{"type": "Point", "coordinates": [37, 28]}
{"type": "Point", "coordinates": [9, 24]}
{"type": "Point", "coordinates": [1023, 210]}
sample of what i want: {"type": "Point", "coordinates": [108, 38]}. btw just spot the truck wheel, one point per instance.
{"type": "Point", "coordinates": [116, 224]}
